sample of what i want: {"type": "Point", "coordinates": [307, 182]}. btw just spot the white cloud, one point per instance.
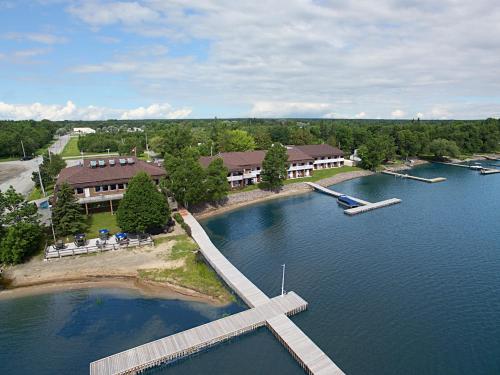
{"type": "Point", "coordinates": [156, 111]}
{"type": "Point", "coordinates": [290, 109]}
{"type": "Point", "coordinates": [35, 37]}
{"type": "Point", "coordinates": [111, 67]}
{"type": "Point", "coordinates": [419, 115]}
{"type": "Point", "coordinates": [360, 115]}
{"type": "Point", "coordinates": [70, 111]}
{"type": "Point", "coordinates": [397, 113]}
{"type": "Point", "coordinates": [98, 14]}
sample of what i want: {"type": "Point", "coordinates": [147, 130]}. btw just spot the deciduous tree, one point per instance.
{"type": "Point", "coordinates": [274, 167]}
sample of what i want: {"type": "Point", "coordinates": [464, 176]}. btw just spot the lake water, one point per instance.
{"type": "Point", "coordinates": [409, 289]}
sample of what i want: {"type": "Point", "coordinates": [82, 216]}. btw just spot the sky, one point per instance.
{"type": "Point", "coordinates": [173, 59]}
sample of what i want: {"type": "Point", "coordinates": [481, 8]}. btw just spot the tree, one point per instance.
{"type": "Point", "coordinates": [216, 185]}
{"type": "Point", "coordinates": [407, 142]}
{"type": "Point", "coordinates": [262, 139]}
{"type": "Point", "coordinates": [67, 215]}
{"type": "Point", "coordinates": [274, 167]}
{"type": "Point", "coordinates": [15, 209]}
{"type": "Point", "coordinates": [49, 169]}
{"type": "Point", "coordinates": [143, 207]}
{"type": "Point", "coordinates": [20, 240]}
{"type": "Point", "coordinates": [20, 231]}
{"type": "Point", "coordinates": [235, 140]}
{"type": "Point", "coordinates": [186, 179]}
{"type": "Point", "coordinates": [376, 150]}
{"type": "Point", "coordinates": [443, 147]}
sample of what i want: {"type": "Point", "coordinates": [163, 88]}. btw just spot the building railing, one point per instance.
{"type": "Point", "coordinates": [323, 161]}
{"type": "Point", "coordinates": [300, 167]}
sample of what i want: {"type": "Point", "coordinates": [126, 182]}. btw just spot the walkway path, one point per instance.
{"type": "Point", "coordinates": [264, 311]}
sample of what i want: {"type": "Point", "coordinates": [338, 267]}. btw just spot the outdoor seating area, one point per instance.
{"type": "Point", "coordinates": [95, 245]}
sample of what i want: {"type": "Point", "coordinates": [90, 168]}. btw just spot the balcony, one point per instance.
{"type": "Point", "coordinates": [300, 167]}
{"type": "Point", "coordinates": [235, 178]}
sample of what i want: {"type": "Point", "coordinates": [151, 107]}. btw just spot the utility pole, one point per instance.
{"type": "Point", "coordinates": [24, 152]}
{"type": "Point", "coordinates": [53, 232]}
{"type": "Point", "coordinates": [147, 146]}
{"type": "Point", "coordinates": [41, 182]}
{"type": "Point", "coordinates": [283, 280]}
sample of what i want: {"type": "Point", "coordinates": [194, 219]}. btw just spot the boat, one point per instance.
{"type": "Point", "coordinates": [346, 201]}
{"type": "Point", "coordinates": [476, 167]}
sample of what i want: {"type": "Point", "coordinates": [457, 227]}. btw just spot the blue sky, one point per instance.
{"type": "Point", "coordinates": [99, 59]}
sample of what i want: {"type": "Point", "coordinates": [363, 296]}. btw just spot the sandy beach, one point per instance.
{"type": "Point", "coordinates": [116, 269]}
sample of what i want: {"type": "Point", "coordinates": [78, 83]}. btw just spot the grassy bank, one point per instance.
{"type": "Point", "coordinates": [193, 274]}
{"type": "Point", "coordinates": [36, 193]}
{"type": "Point", "coordinates": [71, 148]}
{"type": "Point", "coordinates": [318, 174]}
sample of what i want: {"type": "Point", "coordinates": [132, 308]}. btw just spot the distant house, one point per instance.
{"type": "Point", "coordinates": [245, 167]}
{"type": "Point", "coordinates": [83, 130]}
{"type": "Point", "coordinates": [100, 183]}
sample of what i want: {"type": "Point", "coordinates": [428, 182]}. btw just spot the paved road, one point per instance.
{"type": "Point", "coordinates": [18, 173]}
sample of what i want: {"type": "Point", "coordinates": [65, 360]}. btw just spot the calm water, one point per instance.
{"type": "Point", "coordinates": [409, 289]}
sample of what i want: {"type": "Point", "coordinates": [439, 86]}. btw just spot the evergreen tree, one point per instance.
{"type": "Point", "coordinates": [216, 185]}
{"type": "Point", "coordinates": [274, 167]}
{"type": "Point", "coordinates": [143, 207]}
{"type": "Point", "coordinates": [67, 215]}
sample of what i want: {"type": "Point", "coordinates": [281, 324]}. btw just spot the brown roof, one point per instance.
{"type": "Point", "coordinates": [295, 154]}
{"type": "Point", "coordinates": [236, 161]}
{"type": "Point", "coordinates": [85, 175]}
{"type": "Point", "coordinates": [319, 150]}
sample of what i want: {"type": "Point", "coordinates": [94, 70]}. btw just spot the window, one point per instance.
{"type": "Point", "coordinates": [294, 164]}
{"type": "Point", "coordinates": [105, 187]}
{"type": "Point", "coordinates": [98, 189]}
{"type": "Point", "coordinates": [121, 186]}
{"type": "Point", "coordinates": [112, 187]}
{"type": "Point", "coordinates": [258, 168]}
{"type": "Point", "coordinates": [79, 190]}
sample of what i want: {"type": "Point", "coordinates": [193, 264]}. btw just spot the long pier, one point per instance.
{"type": "Point", "coordinates": [264, 311]}
{"type": "Point", "coordinates": [193, 340]}
{"type": "Point", "coordinates": [428, 180]}
{"type": "Point", "coordinates": [490, 171]}
{"type": "Point", "coordinates": [365, 206]}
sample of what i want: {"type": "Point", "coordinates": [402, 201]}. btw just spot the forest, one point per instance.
{"type": "Point", "coordinates": [34, 136]}
{"type": "Point", "coordinates": [378, 140]}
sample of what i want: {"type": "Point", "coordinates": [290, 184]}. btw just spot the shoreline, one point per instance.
{"type": "Point", "coordinates": [147, 289]}
{"type": "Point", "coordinates": [243, 199]}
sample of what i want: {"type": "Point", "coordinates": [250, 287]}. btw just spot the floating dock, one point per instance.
{"type": "Point", "coordinates": [428, 180]}
{"type": "Point", "coordinates": [490, 171]}
{"type": "Point", "coordinates": [365, 206]}
{"type": "Point", "coordinates": [264, 311]}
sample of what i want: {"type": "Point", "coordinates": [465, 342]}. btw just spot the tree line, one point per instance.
{"type": "Point", "coordinates": [33, 135]}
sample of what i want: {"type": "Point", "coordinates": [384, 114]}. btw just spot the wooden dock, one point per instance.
{"type": "Point", "coordinates": [334, 193]}
{"type": "Point", "coordinates": [196, 339]}
{"type": "Point", "coordinates": [264, 311]}
{"type": "Point", "coordinates": [490, 171]}
{"type": "Point", "coordinates": [416, 178]}
{"type": "Point", "coordinates": [371, 206]}
{"type": "Point", "coordinates": [365, 206]}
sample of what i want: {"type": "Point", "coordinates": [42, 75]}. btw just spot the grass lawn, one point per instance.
{"type": "Point", "coordinates": [71, 148]}
{"type": "Point", "coordinates": [36, 193]}
{"type": "Point", "coordinates": [195, 274]}
{"type": "Point", "coordinates": [318, 174]}
{"type": "Point", "coordinates": [101, 220]}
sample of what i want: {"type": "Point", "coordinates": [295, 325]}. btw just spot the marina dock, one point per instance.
{"type": "Point", "coordinates": [428, 180]}
{"type": "Point", "coordinates": [490, 171]}
{"type": "Point", "coordinates": [272, 313]}
{"type": "Point", "coordinates": [365, 206]}
{"type": "Point", "coordinates": [199, 338]}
